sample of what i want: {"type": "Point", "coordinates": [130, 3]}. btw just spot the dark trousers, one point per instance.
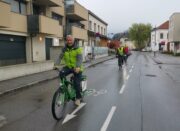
{"type": "Point", "coordinates": [125, 58]}
{"type": "Point", "coordinates": [77, 79]}
{"type": "Point", "coordinates": [120, 60]}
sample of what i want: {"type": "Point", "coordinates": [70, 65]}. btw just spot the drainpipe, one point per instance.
{"type": "Point", "coordinates": [31, 37]}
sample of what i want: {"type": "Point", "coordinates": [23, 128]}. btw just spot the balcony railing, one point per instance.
{"type": "Point", "coordinates": [5, 14]}
{"type": "Point", "coordinates": [77, 12]}
{"type": "Point", "coordinates": [42, 24]}
{"type": "Point", "coordinates": [50, 3]}
{"type": "Point", "coordinates": [77, 32]}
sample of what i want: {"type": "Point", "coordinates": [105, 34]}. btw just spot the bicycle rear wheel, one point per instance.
{"type": "Point", "coordinates": [58, 105]}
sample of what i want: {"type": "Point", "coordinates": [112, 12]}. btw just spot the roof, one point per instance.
{"type": "Point", "coordinates": [165, 25]}
{"type": "Point", "coordinates": [91, 13]}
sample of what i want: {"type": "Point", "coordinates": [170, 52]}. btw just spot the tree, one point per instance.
{"type": "Point", "coordinates": [140, 34]}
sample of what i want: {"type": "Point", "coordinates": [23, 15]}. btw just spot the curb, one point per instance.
{"type": "Point", "coordinates": [24, 87]}
{"type": "Point", "coordinates": [157, 61]}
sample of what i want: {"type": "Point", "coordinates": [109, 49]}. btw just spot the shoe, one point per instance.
{"type": "Point", "coordinates": [77, 102]}
{"type": "Point", "coordinates": [81, 100]}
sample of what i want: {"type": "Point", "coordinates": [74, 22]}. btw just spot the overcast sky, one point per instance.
{"type": "Point", "coordinates": [120, 14]}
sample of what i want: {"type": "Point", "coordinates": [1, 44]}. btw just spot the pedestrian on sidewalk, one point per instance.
{"type": "Point", "coordinates": [72, 56]}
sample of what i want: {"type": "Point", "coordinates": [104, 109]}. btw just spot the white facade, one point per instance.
{"type": "Point", "coordinates": [125, 41]}
{"type": "Point", "coordinates": [158, 36]}
{"type": "Point", "coordinates": [96, 25]}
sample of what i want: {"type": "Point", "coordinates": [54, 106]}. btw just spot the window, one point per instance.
{"type": "Point", "coordinates": [17, 6]}
{"type": "Point", "coordinates": [57, 17]}
{"type": "Point", "coordinates": [8, 1]}
{"type": "Point", "coordinates": [104, 31]}
{"type": "Point", "coordinates": [23, 8]}
{"type": "Point", "coordinates": [90, 25]}
{"type": "Point", "coordinates": [152, 38]}
{"type": "Point", "coordinates": [101, 30]}
{"type": "Point", "coordinates": [161, 35]}
{"type": "Point", "coordinates": [69, 2]}
{"type": "Point", "coordinates": [98, 29]}
{"type": "Point", "coordinates": [94, 27]}
{"type": "Point", "coordinates": [167, 35]}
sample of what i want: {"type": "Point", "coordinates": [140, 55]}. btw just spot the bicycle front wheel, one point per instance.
{"type": "Point", "coordinates": [58, 105]}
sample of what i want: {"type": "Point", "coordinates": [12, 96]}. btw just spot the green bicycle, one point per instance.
{"type": "Point", "coordinates": [64, 94]}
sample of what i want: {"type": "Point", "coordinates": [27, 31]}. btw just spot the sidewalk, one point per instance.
{"type": "Point", "coordinates": [20, 83]}
{"type": "Point", "coordinates": [166, 59]}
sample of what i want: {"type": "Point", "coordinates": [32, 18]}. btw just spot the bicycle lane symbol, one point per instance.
{"type": "Point", "coordinates": [90, 92]}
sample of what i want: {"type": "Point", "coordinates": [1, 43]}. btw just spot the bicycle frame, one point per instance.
{"type": "Point", "coordinates": [68, 89]}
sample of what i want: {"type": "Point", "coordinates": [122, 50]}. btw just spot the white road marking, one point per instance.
{"type": "Point", "coordinates": [127, 77]}
{"type": "Point", "coordinates": [108, 119]}
{"type": "Point", "coordinates": [72, 115]}
{"type": "Point", "coordinates": [122, 89]}
{"type": "Point", "coordinates": [132, 66]}
{"type": "Point", "coordinates": [101, 92]}
{"type": "Point", "coordinates": [130, 71]}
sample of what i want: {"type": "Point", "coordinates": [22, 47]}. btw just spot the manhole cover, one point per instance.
{"type": "Point", "coordinates": [150, 75]}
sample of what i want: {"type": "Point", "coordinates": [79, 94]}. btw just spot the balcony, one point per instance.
{"type": "Point", "coordinates": [50, 3]}
{"type": "Point", "coordinates": [45, 25]}
{"type": "Point", "coordinates": [58, 10]}
{"type": "Point", "coordinates": [5, 15]}
{"type": "Point", "coordinates": [77, 32]}
{"type": "Point", "coordinates": [76, 12]}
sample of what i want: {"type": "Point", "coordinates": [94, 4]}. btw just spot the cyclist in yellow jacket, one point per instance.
{"type": "Point", "coordinates": [120, 55]}
{"type": "Point", "coordinates": [72, 56]}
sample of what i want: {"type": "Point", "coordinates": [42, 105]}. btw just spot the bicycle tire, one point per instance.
{"type": "Point", "coordinates": [58, 108]}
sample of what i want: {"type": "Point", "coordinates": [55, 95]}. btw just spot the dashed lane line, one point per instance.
{"type": "Point", "coordinates": [108, 119]}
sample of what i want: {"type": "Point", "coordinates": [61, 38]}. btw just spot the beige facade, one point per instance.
{"type": "Point", "coordinates": [77, 20]}
{"type": "Point", "coordinates": [76, 11]}
{"type": "Point", "coordinates": [18, 23]}
{"type": "Point", "coordinates": [28, 35]}
{"type": "Point", "coordinates": [174, 28]}
{"type": "Point", "coordinates": [55, 28]}
{"type": "Point", "coordinates": [174, 34]}
{"type": "Point", "coordinates": [79, 33]}
{"type": "Point", "coordinates": [37, 28]}
{"type": "Point", "coordinates": [5, 14]}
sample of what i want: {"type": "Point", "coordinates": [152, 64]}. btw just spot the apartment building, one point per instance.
{"type": "Point", "coordinates": [174, 34]}
{"type": "Point", "coordinates": [97, 28]}
{"type": "Point", "coordinates": [32, 32]}
{"type": "Point", "coordinates": [28, 29]}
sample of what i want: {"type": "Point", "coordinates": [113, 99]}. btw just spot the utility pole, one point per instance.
{"type": "Point", "coordinates": [155, 43]}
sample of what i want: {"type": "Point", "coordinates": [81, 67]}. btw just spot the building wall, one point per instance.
{"type": "Point", "coordinates": [39, 48]}
{"type": "Point", "coordinates": [155, 38]}
{"type": "Point", "coordinates": [103, 42]}
{"type": "Point", "coordinates": [174, 27]}
{"type": "Point", "coordinates": [35, 49]}
{"type": "Point", "coordinates": [94, 20]}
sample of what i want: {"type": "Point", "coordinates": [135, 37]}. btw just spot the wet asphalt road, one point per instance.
{"type": "Point", "coordinates": [143, 96]}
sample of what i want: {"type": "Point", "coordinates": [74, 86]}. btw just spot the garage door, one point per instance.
{"type": "Point", "coordinates": [12, 50]}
